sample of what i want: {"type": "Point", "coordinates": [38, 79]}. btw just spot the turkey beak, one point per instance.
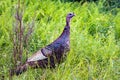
{"type": "Point", "coordinates": [73, 14]}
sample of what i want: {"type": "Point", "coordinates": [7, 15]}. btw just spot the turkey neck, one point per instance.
{"type": "Point", "coordinates": [67, 27]}
{"type": "Point", "coordinates": [66, 31]}
{"type": "Point", "coordinates": [68, 21]}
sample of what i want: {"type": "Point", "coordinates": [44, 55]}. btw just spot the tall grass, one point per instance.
{"type": "Point", "coordinates": [94, 39]}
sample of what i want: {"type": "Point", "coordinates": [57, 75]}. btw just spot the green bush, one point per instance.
{"type": "Point", "coordinates": [94, 39]}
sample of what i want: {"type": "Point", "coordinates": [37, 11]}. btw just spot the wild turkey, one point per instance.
{"type": "Point", "coordinates": [52, 53]}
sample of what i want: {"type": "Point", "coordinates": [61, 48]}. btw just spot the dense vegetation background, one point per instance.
{"type": "Point", "coordinates": [95, 38]}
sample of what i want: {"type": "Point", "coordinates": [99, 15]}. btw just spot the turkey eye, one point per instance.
{"type": "Point", "coordinates": [70, 14]}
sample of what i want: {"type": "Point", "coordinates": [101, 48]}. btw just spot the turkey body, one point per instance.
{"type": "Point", "coordinates": [54, 51]}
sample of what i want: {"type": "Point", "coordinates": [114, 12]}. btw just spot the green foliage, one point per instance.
{"type": "Point", "coordinates": [95, 44]}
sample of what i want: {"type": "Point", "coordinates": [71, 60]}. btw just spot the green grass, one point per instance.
{"type": "Point", "coordinates": [94, 39]}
